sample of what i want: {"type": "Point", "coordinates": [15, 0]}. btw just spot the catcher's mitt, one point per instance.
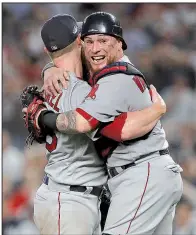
{"type": "Point", "coordinates": [32, 99]}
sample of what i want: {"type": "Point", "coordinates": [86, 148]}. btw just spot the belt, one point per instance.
{"type": "Point", "coordinates": [113, 171]}
{"type": "Point", "coordinates": [96, 191]}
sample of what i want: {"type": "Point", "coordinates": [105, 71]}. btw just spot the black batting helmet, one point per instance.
{"type": "Point", "coordinates": [103, 23]}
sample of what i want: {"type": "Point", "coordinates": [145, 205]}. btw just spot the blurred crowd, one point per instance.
{"type": "Point", "coordinates": [161, 39]}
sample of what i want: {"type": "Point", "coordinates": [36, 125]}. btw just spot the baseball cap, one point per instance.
{"type": "Point", "coordinates": [60, 31]}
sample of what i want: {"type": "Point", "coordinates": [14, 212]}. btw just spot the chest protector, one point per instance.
{"type": "Point", "coordinates": [115, 68]}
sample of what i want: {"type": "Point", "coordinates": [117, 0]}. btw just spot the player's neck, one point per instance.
{"type": "Point", "coordinates": [70, 63]}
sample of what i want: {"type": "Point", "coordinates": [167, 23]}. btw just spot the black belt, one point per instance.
{"type": "Point", "coordinates": [113, 171]}
{"type": "Point", "coordinates": [96, 191]}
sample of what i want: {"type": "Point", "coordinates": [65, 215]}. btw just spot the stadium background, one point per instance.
{"type": "Point", "coordinates": [161, 41]}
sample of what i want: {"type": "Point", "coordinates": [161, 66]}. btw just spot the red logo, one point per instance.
{"type": "Point", "coordinates": [92, 94]}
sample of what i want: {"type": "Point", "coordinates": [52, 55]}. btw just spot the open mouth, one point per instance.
{"type": "Point", "coordinates": [97, 59]}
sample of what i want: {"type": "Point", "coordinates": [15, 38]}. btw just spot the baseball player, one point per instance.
{"type": "Point", "coordinates": [68, 200]}
{"type": "Point", "coordinates": [145, 182]}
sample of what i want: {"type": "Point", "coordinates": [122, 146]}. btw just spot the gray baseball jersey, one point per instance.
{"type": "Point", "coordinates": [117, 94]}
{"type": "Point", "coordinates": [72, 159]}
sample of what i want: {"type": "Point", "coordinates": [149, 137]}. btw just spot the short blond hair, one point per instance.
{"type": "Point", "coordinates": [63, 51]}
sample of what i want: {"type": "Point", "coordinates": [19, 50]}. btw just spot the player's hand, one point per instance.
{"type": "Point", "coordinates": [54, 80]}
{"type": "Point", "coordinates": [157, 100]}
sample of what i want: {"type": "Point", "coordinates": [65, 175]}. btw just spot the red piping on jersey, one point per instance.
{"type": "Point", "coordinates": [141, 197]}
{"type": "Point", "coordinates": [59, 214]}
{"type": "Point", "coordinates": [150, 92]}
{"type": "Point", "coordinates": [92, 121]}
{"type": "Point", "coordinates": [140, 83]}
{"type": "Point", "coordinates": [114, 129]}
{"type": "Point", "coordinates": [90, 81]}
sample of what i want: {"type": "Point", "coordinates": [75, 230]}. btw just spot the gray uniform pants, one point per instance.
{"type": "Point", "coordinates": [144, 197]}
{"type": "Point", "coordinates": [66, 213]}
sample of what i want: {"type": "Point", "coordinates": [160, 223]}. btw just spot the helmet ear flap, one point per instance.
{"type": "Point", "coordinates": [117, 30]}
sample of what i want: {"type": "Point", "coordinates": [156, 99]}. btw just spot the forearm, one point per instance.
{"type": "Point", "coordinates": [137, 130]}
{"type": "Point", "coordinates": [67, 123]}
{"type": "Point", "coordinates": [132, 125]}
{"type": "Point", "coordinates": [139, 123]}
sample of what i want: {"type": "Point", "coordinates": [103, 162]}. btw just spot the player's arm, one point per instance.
{"type": "Point", "coordinates": [135, 124]}
{"type": "Point", "coordinates": [104, 108]}
{"type": "Point", "coordinates": [82, 121]}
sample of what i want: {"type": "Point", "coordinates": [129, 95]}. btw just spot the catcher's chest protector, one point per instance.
{"type": "Point", "coordinates": [117, 67]}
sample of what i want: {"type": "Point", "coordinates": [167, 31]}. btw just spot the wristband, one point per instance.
{"type": "Point", "coordinates": [47, 120]}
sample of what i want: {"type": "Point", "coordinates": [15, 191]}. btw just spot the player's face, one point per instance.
{"type": "Point", "coordinates": [101, 50]}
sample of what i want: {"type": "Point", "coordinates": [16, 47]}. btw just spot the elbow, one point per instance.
{"type": "Point", "coordinates": [85, 122]}
{"type": "Point", "coordinates": [126, 135]}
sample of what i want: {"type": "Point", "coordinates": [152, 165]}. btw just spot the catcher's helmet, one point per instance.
{"type": "Point", "coordinates": [103, 23]}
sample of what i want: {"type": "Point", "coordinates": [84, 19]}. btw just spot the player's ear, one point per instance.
{"type": "Point", "coordinates": [78, 40]}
